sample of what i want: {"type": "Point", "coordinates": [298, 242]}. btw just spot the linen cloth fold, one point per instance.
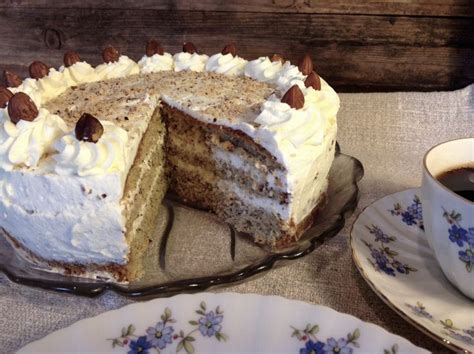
{"type": "Point", "coordinates": [389, 133]}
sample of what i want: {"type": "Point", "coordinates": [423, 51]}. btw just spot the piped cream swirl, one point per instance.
{"type": "Point", "coordinates": [108, 155]}
{"type": "Point", "coordinates": [186, 61]}
{"type": "Point", "coordinates": [121, 68]}
{"type": "Point", "coordinates": [287, 76]}
{"type": "Point", "coordinates": [296, 126]}
{"type": "Point", "coordinates": [226, 64]}
{"type": "Point", "coordinates": [263, 69]}
{"type": "Point", "coordinates": [54, 84]}
{"type": "Point", "coordinates": [26, 142]}
{"type": "Point", "coordinates": [294, 135]}
{"type": "Point", "coordinates": [30, 87]}
{"type": "Point", "coordinates": [79, 73]}
{"type": "Point", "coordinates": [156, 63]}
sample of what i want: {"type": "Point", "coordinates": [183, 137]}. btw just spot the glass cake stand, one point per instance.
{"type": "Point", "coordinates": [194, 250]}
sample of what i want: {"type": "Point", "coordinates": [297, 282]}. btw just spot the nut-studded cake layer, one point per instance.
{"type": "Point", "coordinates": [202, 176]}
{"type": "Point", "coordinates": [218, 97]}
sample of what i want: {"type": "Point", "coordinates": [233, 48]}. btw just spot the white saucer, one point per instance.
{"type": "Point", "coordinates": [391, 252]}
{"type": "Point", "coordinates": [223, 323]}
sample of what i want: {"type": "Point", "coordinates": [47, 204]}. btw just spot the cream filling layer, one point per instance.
{"type": "Point", "coordinates": [285, 137]}
{"type": "Point", "coordinates": [275, 180]}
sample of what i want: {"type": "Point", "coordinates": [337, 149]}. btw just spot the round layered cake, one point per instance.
{"type": "Point", "coordinates": [88, 153]}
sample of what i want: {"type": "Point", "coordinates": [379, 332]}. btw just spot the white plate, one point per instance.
{"type": "Point", "coordinates": [390, 250]}
{"type": "Point", "coordinates": [223, 323]}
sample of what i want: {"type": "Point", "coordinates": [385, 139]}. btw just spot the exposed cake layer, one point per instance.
{"type": "Point", "coordinates": [145, 188]}
{"type": "Point", "coordinates": [249, 192]}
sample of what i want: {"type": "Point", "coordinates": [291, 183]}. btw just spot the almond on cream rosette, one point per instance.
{"type": "Point", "coordinates": [50, 82]}
{"type": "Point", "coordinates": [226, 62]}
{"type": "Point", "coordinates": [11, 79]}
{"type": "Point", "coordinates": [77, 72]}
{"type": "Point", "coordinates": [115, 65]}
{"type": "Point", "coordinates": [155, 58]}
{"type": "Point", "coordinates": [94, 148]}
{"type": "Point", "coordinates": [28, 86]}
{"type": "Point", "coordinates": [26, 133]}
{"type": "Point", "coordinates": [190, 59]}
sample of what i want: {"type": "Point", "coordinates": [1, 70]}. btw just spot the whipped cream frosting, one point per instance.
{"type": "Point", "coordinates": [288, 76]}
{"type": "Point", "coordinates": [30, 87]}
{"type": "Point", "coordinates": [108, 155]}
{"type": "Point", "coordinates": [26, 142]}
{"type": "Point", "coordinates": [187, 61]}
{"type": "Point", "coordinates": [263, 69]}
{"type": "Point", "coordinates": [226, 64]}
{"type": "Point", "coordinates": [120, 68]}
{"type": "Point", "coordinates": [155, 63]}
{"type": "Point", "coordinates": [79, 73]}
{"type": "Point", "coordinates": [292, 127]}
{"type": "Point", "coordinates": [54, 84]}
{"type": "Point", "coordinates": [63, 211]}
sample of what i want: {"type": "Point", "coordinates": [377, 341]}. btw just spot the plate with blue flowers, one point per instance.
{"type": "Point", "coordinates": [390, 249]}
{"type": "Point", "coordinates": [223, 323]}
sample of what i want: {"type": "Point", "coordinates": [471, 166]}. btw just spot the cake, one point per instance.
{"type": "Point", "coordinates": [87, 154]}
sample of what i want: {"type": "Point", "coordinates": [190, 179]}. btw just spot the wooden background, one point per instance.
{"type": "Point", "coordinates": [356, 45]}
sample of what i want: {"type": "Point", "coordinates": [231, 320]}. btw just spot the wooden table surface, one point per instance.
{"type": "Point", "coordinates": [356, 45]}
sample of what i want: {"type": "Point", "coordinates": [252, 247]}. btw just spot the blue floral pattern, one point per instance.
{"type": "Point", "coordinates": [412, 215]}
{"type": "Point", "coordinates": [139, 346]}
{"type": "Point", "coordinates": [209, 324]}
{"type": "Point", "coordinates": [383, 258]}
{"type": "Point", "coordinates": [312, 345]}
{"type": "Point", "coordinates": [448, 327]}
{"type": "Point", "coordinates": [343, 345]}
{"type": "Point", "coordinates": [462, 237]}
{"type": "Point", "coordinates": [420, 311]}
{"type": "Point", "coordinates": [162, 335]}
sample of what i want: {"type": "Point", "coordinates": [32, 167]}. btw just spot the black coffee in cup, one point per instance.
{"type": "Point", "coordinates": [460, 181]}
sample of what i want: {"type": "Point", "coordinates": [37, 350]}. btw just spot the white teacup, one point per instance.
{"type": "Point", "coordinates": [449, 218]}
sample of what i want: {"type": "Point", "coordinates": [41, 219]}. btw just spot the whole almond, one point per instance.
{"type": "Point", "coordinates": [189, 47]}
{"type": "Point", "coordinates": [5, 95]}
{"type": "Point", "coordinates": [88, 128]}
{"type": "Point", "coordinates": [313, 80]}
{"type": "Point", "coordinates": [229, 49]}
{"type": "Point", "coordinates": [110, 54]}
{"type": "Point", "coordinates": [11, 79]}
{"type": "Point", "coordinates": [70, 58]}
{"type": "Point", "coordinates": [306, 64]}
{"type": "Point", "coordinates": [22, 107]}
{"type": "Point", "coordinates": [294, 97]}
{"type": "Point", "coordinates": [38, 70]}
{"type": "Point", "coordinates": [153, 47]}
{"type": "Point", "coordinates": [277, 57]}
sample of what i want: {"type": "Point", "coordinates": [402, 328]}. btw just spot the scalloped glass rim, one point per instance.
{"type": "Point", "coordinates": [343, 196]}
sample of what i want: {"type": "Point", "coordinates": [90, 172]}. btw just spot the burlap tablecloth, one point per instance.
{"type": "Point", "coordinates": [389, 133]}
